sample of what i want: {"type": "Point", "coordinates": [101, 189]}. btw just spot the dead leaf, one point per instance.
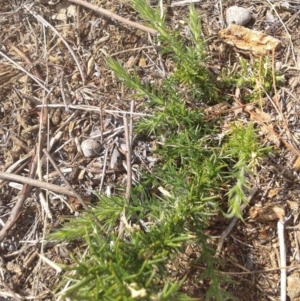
{"type": "Point", "coordinates": [54, 59]}
{"type": "Point", "coordinates": [142, 62]}
{"type": "Point", "coordinates": [273, 192]}
{"type": "Point", "coordinates": [164, 192]}
{"type": "Point", "coordinates": [266, 213]}
{"type": "Point", "coordinates": [269, 17]}
{"type": "Point", "coordinates": [71, 11]}
{"type": "Point", "coordinates": [130, 63]}
{"type": "Point", "coordinates": [90, 65]}
{"type": "Point", "coordinates": [293, 286]}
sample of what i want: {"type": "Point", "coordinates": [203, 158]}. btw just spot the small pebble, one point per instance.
{"type": "Point", "coordinates": [91, 148]}
{"type": "Point", "coordinates": [238, 15]}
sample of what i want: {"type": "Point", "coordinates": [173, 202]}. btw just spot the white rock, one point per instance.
{"type": "Point", "coordinates": [91, 148]}
{"type": "Point", "coordinates": [237, 15]}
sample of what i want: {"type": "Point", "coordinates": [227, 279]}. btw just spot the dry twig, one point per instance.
{"type": "Point", "coordinates": [78, 196]}
{"type": "Point", "coordinates": [35, 183]}
{"type": "Point", "coordinates": [15, 213]}
{"type": "Point", "coordinates": [114, 16]}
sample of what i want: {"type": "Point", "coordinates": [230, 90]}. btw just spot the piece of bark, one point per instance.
{"type": "Point", "coordinates": [247, 40]}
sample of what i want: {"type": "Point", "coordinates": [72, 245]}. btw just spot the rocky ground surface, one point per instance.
{"type": "Point", "coordinates": [53, 52]}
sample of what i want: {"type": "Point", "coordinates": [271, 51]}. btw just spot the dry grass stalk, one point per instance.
{"type": "Point", "coordinates": [128, 140]}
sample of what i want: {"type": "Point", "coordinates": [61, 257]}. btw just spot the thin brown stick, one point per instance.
{"type": "Point", "coordinates": [78, 196]}
{"type": "Point", "coordinates": [133, 49]}
{"type": "Point", "coordinates": [62, 91]}
{"type": "Point", "coordinates": [15, 213]}
{"type": "Point", "coordinates": [288, 268]}
{"type": "Point", "coordinates": [103, 170]}
{"type": "Point", "coordinates": [89, 108]}
{"type": "Point", "coordinates": [132, 105]}
{"type": "Point", "coordinates": [114, 16]}
{"type": "Point", "coordinates": [18, 169]}
{"type": "Point", "coordinates": [35, 183]}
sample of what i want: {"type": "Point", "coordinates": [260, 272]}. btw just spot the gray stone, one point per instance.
{"type": "Point", "coordinates": [91, 148]}
{"type": "Point", "coordinates": [238, 15]}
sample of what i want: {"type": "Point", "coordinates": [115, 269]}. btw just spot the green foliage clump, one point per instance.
{"type": "Point", "coordinates": [255, 79]}
{"type": "Point", "coordinates": [189, 57]}
{"type": "Point", "coordinates": [198, 165]}
{"type": "Point", "coordinates": [121, 269]}
{"type": "Point", "coordinates": [244, 149]}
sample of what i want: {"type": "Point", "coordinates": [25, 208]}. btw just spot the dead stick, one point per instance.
{"type": "Point", "coordinates": [114, 16]}
{"type": "Point", "coordinates": [80, 199]}
{"type": "Point", "coordinates": [78, 196]}
{"type": "Point", "coordinates": [132, 105]}
{"type": "Point", "coordinates": [35, 183]}
{"type": "Point", "coordinates": [15, 213]}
